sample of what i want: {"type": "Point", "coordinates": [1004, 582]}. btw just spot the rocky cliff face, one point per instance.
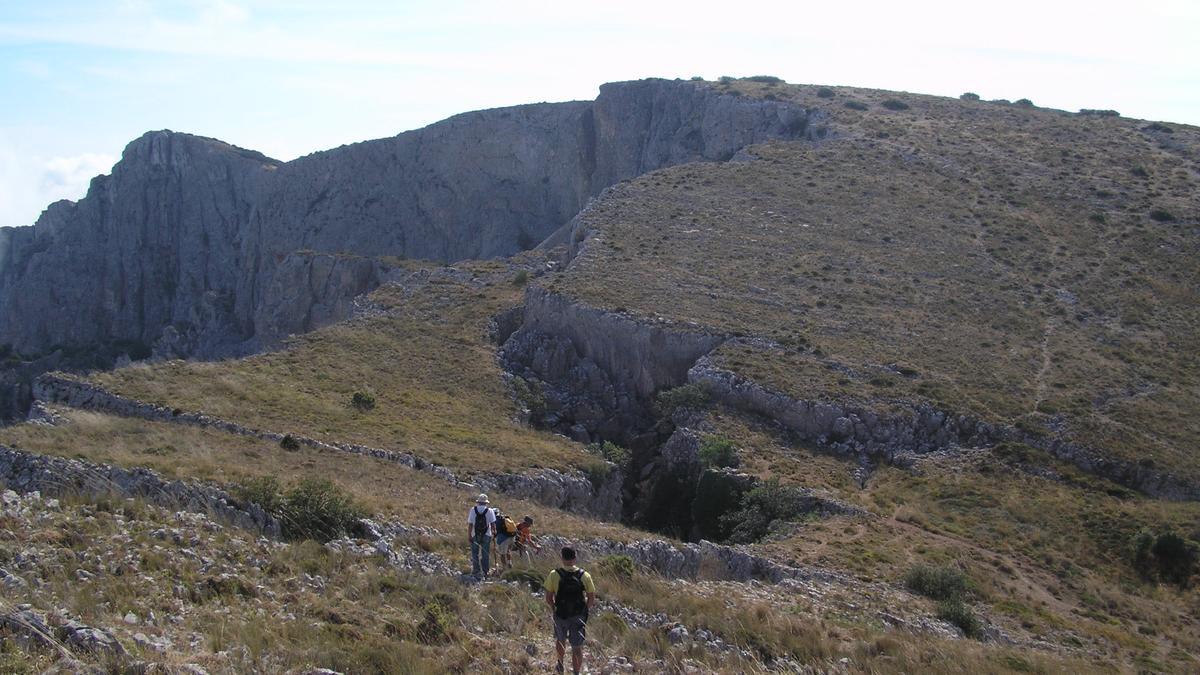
{"type": "Point", "coordinates": [189, 247]}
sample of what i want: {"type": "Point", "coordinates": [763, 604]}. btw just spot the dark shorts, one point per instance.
{"type": "Point", "coordinates": [572, 631]}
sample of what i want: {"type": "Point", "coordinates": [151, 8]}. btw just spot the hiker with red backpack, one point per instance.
{"type": "Point", "coordinates": [571, 593]}
{"type": "Point", "coordinates": [481, 527]}
{"type": "Point", "coordinates": [525, 543]}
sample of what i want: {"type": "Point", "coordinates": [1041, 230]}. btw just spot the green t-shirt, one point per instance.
{"type": "Point", "coordinates": [551, 583]}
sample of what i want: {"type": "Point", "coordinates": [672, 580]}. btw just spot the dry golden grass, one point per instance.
{"type": "Point", "coordinates": [434, 375]}
{"type": "Point", "coordinates": [997, 260]}
{"type": "Point", "coordinates": [1048, 559]}
{"type": "Point", "coordinates": [387, 489]}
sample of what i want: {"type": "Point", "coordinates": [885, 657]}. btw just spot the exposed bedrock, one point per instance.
{"type": "Point", "coordinates": [27, 472]}
{"type": "Point", "coordinates": [188, 248]}
{"type": "Point", "coordinates": [857, 431]}
{"type": "Point", "coordinates": [598, 370]}
{"type": "Point", "coordinates": [593, 374]}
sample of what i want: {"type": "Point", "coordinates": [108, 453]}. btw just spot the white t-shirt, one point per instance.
{"type": "Point", "coordinates": [489, 514]}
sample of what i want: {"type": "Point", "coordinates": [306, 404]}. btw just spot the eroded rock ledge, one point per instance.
{"type": "Point", "coordinates": [27, 472]}
{"type": "Point", "coordinates": [597, 372]}
{"type": "Point", "coordinates": [568, 491]}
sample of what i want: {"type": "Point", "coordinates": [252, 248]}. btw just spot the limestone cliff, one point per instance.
{"type": "Point", "coordinates": [190, 247]}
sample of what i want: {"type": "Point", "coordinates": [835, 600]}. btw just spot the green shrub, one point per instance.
{"type": "Point", "coordinates": [825, 92]}
{"type": "Point", "coordinates": [1099, 113]}
{"type": "Point", "coordinates": [725, 79]}
{"type": "Point", "coordinates": [597, 473]}
{"type": "Point", "coordinates": [969, 96]}
{"type": "Point", "coordinates": [520, 278]}
{"type": "Point", "coordinates": [289, 443]}
{"type": "Point", "coordinates": [761, 508]}
{"type": "Point", "coordinates": [1162, 216]}
{"type": "Point", "coordinates": [766, 79]}
{"type": "Point", "coordinates": [317, 509]}
{"type": "Point", "coordinates": [264, 491]}
{"type": "Point", "coordinates": [894, 104]}
{"type": "Point", "coordinates": [718, 452]}
{"type": "Point", "coordinates": [611, 452]}
{"type": "Point", "coordinates": [1023, 102]}
{"type": "Point", "coordinates": [939, 583]}
{"type": "Point", "coordinates": [617, 566]}
{"type": "Point", "coordinates": [436, 626]}
{"type": "Point", "coordinates": [363, 400]}
{"type": "Point", "coordinates": [693, 396]}
{"type": "Point", "coordinates": [697, 78]}
{"type": "Point", "coordinates": [1167, 557]}
{"type": "Point", "coordinates": [313, 509]}
{"type": "Point", "coordinates": [956, 612]}
{"type": "Point", "coordinates": [855, 105]}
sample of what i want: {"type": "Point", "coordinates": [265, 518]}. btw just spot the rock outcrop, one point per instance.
{"type": "Point", "coordinates": [26, 472]}
{"type": "Point", "coordinates": [570, 491]}
{"type": "Point", "coordinates": [600, 369]}
{"type": "Point", "coordinates": [190, 247]}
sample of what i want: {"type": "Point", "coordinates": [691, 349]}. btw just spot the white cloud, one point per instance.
{"type": "Point", "coordinates": [28, 184]}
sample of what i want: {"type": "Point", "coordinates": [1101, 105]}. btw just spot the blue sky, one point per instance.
{"type": "Point", "coordinates": [79, 80]}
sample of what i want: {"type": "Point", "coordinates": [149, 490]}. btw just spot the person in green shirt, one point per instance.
{"type": "Point", "coordinates": [570, 592]}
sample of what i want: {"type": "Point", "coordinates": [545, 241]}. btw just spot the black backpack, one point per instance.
{"type": "Point", "coordinates": [481, 524]}
{"type": "Point", "coordinates": [569, 600]}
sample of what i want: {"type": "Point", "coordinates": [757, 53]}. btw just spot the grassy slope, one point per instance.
{"type": "Point", "coordinates": [1004, 257]}
{"type": "Point", "coordinates": [428, 362]}
{"type": "Point", "coordinates": [233, 604]}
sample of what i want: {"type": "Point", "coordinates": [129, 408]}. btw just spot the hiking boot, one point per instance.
{"type": "Point", "coordinates": [558, 667]}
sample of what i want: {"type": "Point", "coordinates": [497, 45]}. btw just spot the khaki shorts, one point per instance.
{"type": "Point", "coordinates": [506, 545]}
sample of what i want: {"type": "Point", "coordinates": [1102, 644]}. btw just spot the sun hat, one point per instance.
{"type": "Point", "coordinates": [481, 499]}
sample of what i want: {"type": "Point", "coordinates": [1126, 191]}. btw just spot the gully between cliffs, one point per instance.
{"type": "Point", "coordinates": [593, 375]}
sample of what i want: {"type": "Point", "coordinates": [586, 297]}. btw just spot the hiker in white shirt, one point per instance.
{"type": "Point", "coordinates": [481, 527]}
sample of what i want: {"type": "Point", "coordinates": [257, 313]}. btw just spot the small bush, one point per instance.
{"type": "Point", "coordinates": [289, 443]}
{"type": "Point", "coordinates": [725, 79]}
{"type": "Point", "coordinates": [314, 509]}
{"type": "Point", "coordinates": [855, 105]}
{"type": "Point", "coordinates": [1159, 127]}
{"type": "Point", "coordinates": [939, 583]}
{"type": "Point", "coordinates": [956, 612]}
{"type": "Point", "coordinates": [617, 566]}
{"type": "Point", "coordinates": [436, 626]}
{"type": "Point", "coordinates": [697, 78]}
{"type": "Point", "coordinates": [1162, 216]}
{"type": "Point", "coordinates": [611, 452]}
{"type": "Point", "coordinates": [969, 96]}
{"type": "Point", "coordinates": [1099, 113]}
{"type": "Point", "coordinates": [1140, 172]}
{"type": "Point", "coordinates": [893, 104]}
{"type": "Point", "coordinates": [520, 278]}
{"type": "Point", "coordinates": [761, 508]}
{"type": "Point", "coordinates": [1023, 102]}
{"type": "Point", "coordinates": [597, 473]}
{"type": "Point", "coordinates": [319, 510]}
{"type": "Point", "coordinates": [693, 396]}
{"type": "Point", "coordinates": [264, 491]}
{"type": "Point", "coordinates": [765, 79]}
{"type": "Point", "coordinates": [825, 92]}
{"type": "Point", "coordinates": [363, 401]}
{"type": "Point", "coordinates": [1167, 557]}
{"type": "Point", "coordinates": [718, 452]}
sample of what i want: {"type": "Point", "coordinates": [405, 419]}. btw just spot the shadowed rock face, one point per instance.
{"type": "Point", "coordinates": [190, 247]}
